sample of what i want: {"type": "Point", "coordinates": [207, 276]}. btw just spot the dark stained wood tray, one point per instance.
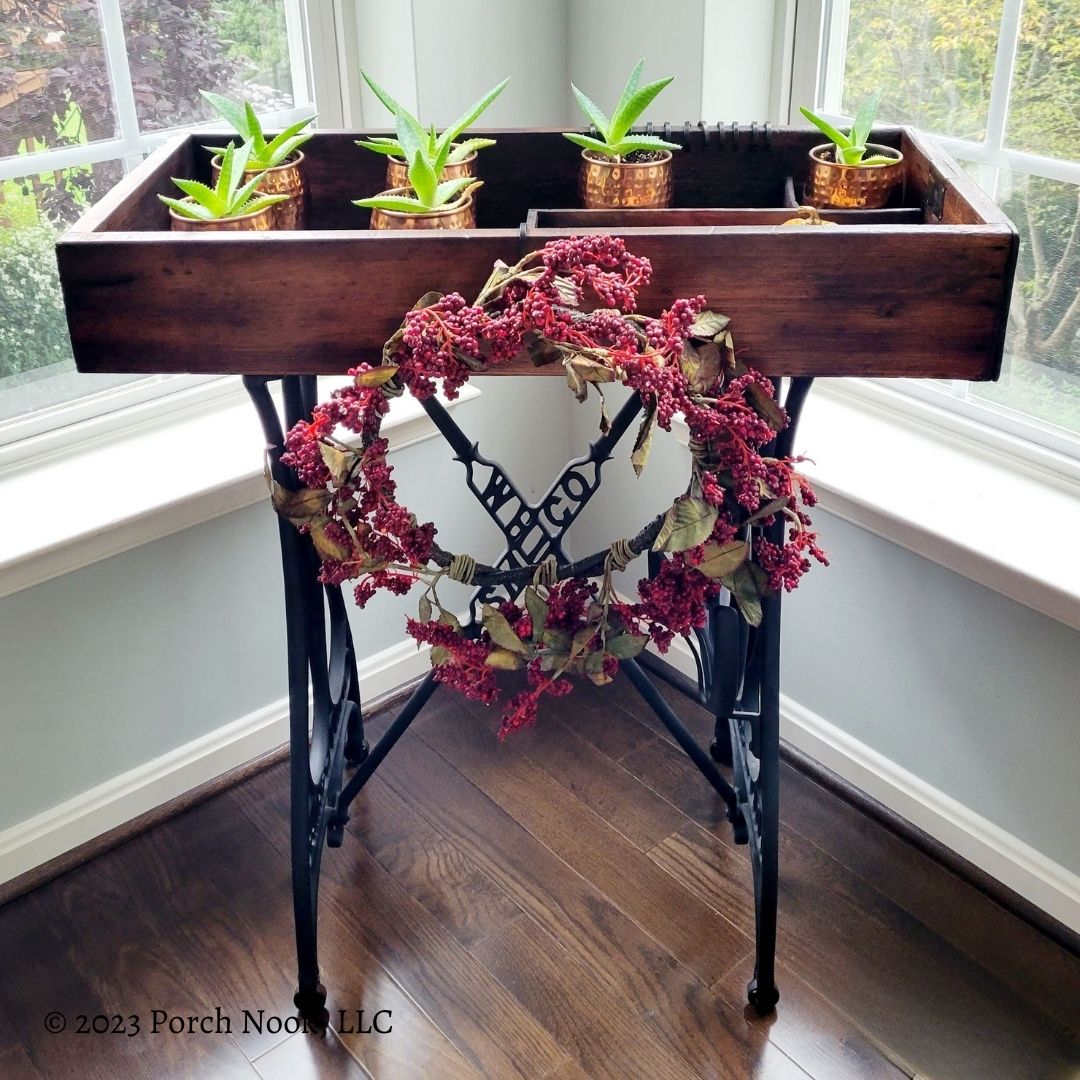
{"type": "Point", "coordinates": [918, 289]}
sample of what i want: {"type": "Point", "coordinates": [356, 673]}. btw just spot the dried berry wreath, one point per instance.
{"type": "Point", "coordinates": [567, 623]}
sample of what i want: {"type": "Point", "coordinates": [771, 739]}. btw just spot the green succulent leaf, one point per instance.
{"type": "Point", "coordinates": [422, 178]}
{"type": "Point", "coordinates": [411, 135]}
{"type": "Point", "coordinates": [260, 202]}
{"type": "Point", "coordinates": [232, 112]}
{"type": "Point", "coordinates": [878, 159]}
{"type": "Point", "coordinates": [403, 204]}
{"type": "Point", "coordinates": [275, 149]}
{"type": "Point", "coordinates": [835, 135]}
{"type": "Point", "coordinates": [850, 155]}
{"type": "Point", "coordinates": [383, 146]}
{"type": "Point", "coordinates": [632, 83]}
{"type": "Point", "coordinates": [391, 105]}
{"type": "Point", "coordinates": [633, 107]}
{"type": "Point", "coordinates": [470, 116]}
{"type": "Point", "coordinates": [463, 149]}
{"type": "Point", "coordinates": [593, 113]}
{"type": "Point", "coordinates": [204, 196]}
{"type": "Point", "coordinates": [187, 209]}
{"type": "Point", "coordinates": [589, 143]}
{"type": "Point", "coordinates": [641, 142]}
{"type": "Point", "coordinates": [243, 194]}
{"type": "Point", "coordinates": [449, 189]}
{"type": "Point", "coordinates": [255, 135]}
{"type": "Point", "coordinates": [864, 118]}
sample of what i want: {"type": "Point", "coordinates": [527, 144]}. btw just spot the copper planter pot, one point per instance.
{"type": "Point", "coordinates": [604, 184]}
{"type": "Point", "coordinates": [458, 215]}
{"type": "Point", "coordinates": [285, 179]}
{"type": "Point", "coordinates": [397, 171]}
{"type": "Point", "coordinates": [853, 187]}
{"type": "Point", "coordinates": [261, 221]}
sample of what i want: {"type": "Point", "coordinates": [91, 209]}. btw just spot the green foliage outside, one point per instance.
{"type": "Point", "coordinates": [935, 63]}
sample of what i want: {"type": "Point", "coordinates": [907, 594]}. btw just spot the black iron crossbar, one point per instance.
{"type": "Point", "coordinates": [738, 669]}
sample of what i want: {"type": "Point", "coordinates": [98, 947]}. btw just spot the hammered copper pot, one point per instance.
{"type": "Point", "coordinates": [261, 221]}
{"type": "Point", "coordinates": [284, 179]}
{"type": "Point", "coordinates": [458, 215]}
{"type": "Point", "coordinates": [397, 171]}
{"type": "Point", "coordinates": [853, 187]}
{"type": "Point", "coordinates": [607, 184]}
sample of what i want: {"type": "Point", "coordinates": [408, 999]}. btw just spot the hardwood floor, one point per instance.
{"type": "Point", "coordinates": [567, 904]}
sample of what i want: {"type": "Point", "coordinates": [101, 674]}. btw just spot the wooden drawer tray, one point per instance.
{"type": "Point", "coordinates": [918, 289]}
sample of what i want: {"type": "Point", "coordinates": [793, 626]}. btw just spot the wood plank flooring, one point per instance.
{"type": "Point", "coordinates": [567, 904]}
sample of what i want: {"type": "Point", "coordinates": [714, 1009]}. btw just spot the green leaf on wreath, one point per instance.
{"type": "Point", "coordinates": [504, 660]}
{"type": "Point", "coordinates": [558, 641]}
{"type": "Point", "coordinates": [591, 370]}
{"type": "Point", "coordinates": [377, 376]}
{"type": "Point", "coordinates": [688, 523]}
{"type": "Point", "coordinates": [723, 559]}
{"type": "Point", "coordinates": [501, 632]}
{"type": "Point", "coordinates": [427, 300]}
{"type": "Point", "coordinates": [765, 406]}
{"type": "Point", "coordinates": [747, 588]}
{"type": "Point", "coordinates": [327, 548]}
{"type": "Point", "coordinates": [625, 646]}
{"type": "Point", "coordinates": [440, 655]}
{"type": "Point", "coordinates": [538, 611]}
{"type": "Point", "coordinates": [299, 506]}
{"type": "Point", "coordinates": [708, 324]}
{"type": "Point", "coordinates": [772, 507]}
{"type": "Point", "coordinates": [643, 441]}
{"type": "Point", "coordinates": [424, 609]}
{"type": "Point", "coordinates": [448, 618]}
{"type": "Point", "coordinates": [339, 462]}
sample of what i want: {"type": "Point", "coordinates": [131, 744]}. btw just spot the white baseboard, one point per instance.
{"type": "Point", "coordinates": [115, 802]}
{"type": "Point", "coordinates": [1048, 885]}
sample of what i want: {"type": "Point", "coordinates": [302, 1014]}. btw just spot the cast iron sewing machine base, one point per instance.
{"type": "Point", "coordinates": [738, 669]}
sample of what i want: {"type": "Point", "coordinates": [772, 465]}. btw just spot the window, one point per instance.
{"type": "Point", "coordinates": [87, 87]}
{"type": "Point", "coordinates": [999, 82]}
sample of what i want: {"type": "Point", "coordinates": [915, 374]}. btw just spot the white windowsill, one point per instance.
{"type": "Point", "coordinates": [894, 468]}
{"type": "Point", "coordinates": [67, 512]}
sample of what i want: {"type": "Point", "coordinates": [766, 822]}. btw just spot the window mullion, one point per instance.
{"type": "Point", "coordinates": [1004, 62]}
{"type": "Point", "coordinates": [127, 116]}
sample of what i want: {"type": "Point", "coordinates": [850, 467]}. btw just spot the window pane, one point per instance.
{"type": "Point", "coordinates": [1044, 108]}
{"type": "Point", "coordinates": [233, 47]}
{"type": "Point", "coordinates": [34, 346]}
{"type": "Point", "coordinates": [933, 61]}
{"type": "Point", "coordinates": [54, 80]}
{"type": "Point", "coordinates": [1041, 375]}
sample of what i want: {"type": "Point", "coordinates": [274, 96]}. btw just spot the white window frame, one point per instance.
{"type": "Point", "coordinates": [816, 75]}
{"type": "Point", "coordinates": [48, 430]}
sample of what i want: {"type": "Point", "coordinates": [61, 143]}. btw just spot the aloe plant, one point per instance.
{"type": "Point", "coordinates": [229, 197]}
{"type": "Point", "coordinates": [615, 139]}
{"type": "Point", "coordinates": [850, 148]}
{"type": "Point", "coordinates": [264, 155]}
{"type": "Point", "coordinates": [442, 150]}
